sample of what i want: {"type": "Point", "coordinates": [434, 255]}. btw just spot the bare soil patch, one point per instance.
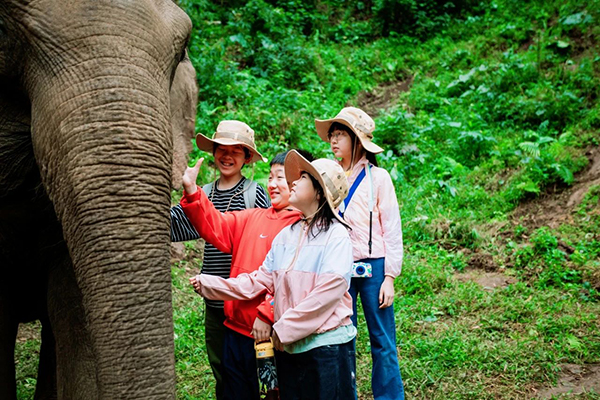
{"type": "Point", "coordinates": [482, 261]}
{"type": "Point", "coordinates": [574, 379]}
{"type": "Point", "coordinates": [483, 270]}
{"type": "Point", "coordinates": [556, 206]}
{"type": "Point", "coordinates": [179, 252]}
{"type": "Point", "coordinates": [29, 331]}
{"type": "Point", "coordinates": [383, 96]}
{"type": "Point", "coordinates": [487, 280]}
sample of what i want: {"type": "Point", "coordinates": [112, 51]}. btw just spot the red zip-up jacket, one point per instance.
{"type": "Point", "coordinates": [246, 235]}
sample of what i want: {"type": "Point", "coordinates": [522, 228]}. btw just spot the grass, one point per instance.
{"type": "Point", "coordinates": [455, 339]}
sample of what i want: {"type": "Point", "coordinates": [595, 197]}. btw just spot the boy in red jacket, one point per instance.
{"type": "Point", "coordinates": [247, 235]}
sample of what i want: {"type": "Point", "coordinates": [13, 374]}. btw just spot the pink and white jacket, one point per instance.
{"type": "Point", "coordinates": [387, 227]}
{"type": "Point", "coordinates": [309, 277]}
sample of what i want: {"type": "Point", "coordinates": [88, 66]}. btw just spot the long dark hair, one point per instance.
{"type": "Point", "coordinates": [337, 126]}
{"type": "Point", "coordinates": [323, 218]}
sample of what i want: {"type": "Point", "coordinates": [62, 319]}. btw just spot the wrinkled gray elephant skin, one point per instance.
{"type": "Point", "coordinates": [85, 174]}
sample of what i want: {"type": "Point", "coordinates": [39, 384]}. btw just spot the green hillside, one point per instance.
{"type": "Point", "coordinates": [489, 114]}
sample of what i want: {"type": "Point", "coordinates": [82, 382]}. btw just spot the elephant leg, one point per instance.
{"type": "Point", "coordinates": [46, 380]}
{"type": "Point", "coordinates": [76, 373]}
{"type": "Point", "coordinates": [8, 336]}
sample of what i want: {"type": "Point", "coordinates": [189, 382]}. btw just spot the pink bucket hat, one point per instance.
{"type": "Point", "coordinates": [358, 121]}
{"type": "Point", "coordinates": [230, 133]}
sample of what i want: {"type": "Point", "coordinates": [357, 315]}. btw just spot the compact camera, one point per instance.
{"type": "Point", "coordinates": [362, 270]}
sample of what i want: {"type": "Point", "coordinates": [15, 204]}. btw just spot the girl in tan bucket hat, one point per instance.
{"type": "Point", "coordinates": [308, 272]}
{"type": "Point", "coordinates": [371, 209]}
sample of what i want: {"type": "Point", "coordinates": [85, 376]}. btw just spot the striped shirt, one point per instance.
{"type": "Point", "coordinates": [215, 262]}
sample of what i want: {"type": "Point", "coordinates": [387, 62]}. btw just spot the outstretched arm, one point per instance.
{"type": "Point", "coordinates": [212, 225]}
{"type": "Point", "coordinates": [242, 287]}
{"type": "Point", "coordinates": [182, 229]}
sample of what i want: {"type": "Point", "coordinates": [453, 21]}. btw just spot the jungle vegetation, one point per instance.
{"type": "Point", "coordinates": [489, 112]}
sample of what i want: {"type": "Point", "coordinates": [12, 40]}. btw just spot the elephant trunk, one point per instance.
{"type": "Point", "coordinates": [101, 136]}
{"type": "Point", "coordinates": [105, 159]}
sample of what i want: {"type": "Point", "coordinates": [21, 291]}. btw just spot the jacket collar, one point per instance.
{"type": "Point", "coordinates": [358, 167]}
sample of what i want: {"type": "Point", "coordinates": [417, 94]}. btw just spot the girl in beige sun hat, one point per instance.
{"type": "Point", "coordinates": [228, 133]}
{"type": "Point", "coordinates": [371, 209]}
{"type": "Point", "coordinates": [357, 121]}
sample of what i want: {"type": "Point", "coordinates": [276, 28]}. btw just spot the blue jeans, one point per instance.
{"type": "Point", "coordinates": [323, 373]}
{"type": "Point", "coordinates": [386, 381]}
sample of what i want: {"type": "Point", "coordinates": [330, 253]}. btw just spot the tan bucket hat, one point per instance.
{"type": "Point", "coordinates": [358, 121]}
{"type": "Point", "coordinates": [328, 173]}
{"type": "Point", "coordinates": [230, 133]}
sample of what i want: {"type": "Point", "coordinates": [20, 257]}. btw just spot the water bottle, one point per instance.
{"type": "Point", "coordinates": [267, 372]}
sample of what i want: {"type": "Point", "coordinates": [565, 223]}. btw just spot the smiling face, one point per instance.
{"type": "Point", "coordinates": [278, 187]}
{"type": "Point", "coordinates": [303, 195]}
{"type": "Point", "coordinates": [230, 160]}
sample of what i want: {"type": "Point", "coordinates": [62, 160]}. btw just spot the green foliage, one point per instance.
{"type": "Point", "coordinates": [502, 103]}
{"type": "Point", "coordinates": [480, 106]}
{"type": "Point", "coordinates": [418, 18]}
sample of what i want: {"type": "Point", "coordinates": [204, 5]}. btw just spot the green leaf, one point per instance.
{"type": "Point", "coordinates": [529, 186]}
{"type": "Point", "coordinates": [530, 148]}
{"type": "Point", "coordinates": [578, 18]}
{"type": "Point", "coordinates": [564, 173]}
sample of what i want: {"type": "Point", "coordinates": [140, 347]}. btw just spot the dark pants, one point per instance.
{"type": "Point", "coordinates": [386, 380]}
{"type": "Point", "coordinates": [323, 373]}
{"type": "Point", "coordinates": [214, 332]}
{"type": "Point", "coordinates": [239, 361]}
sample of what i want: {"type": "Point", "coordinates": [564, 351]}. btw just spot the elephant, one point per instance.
{"type": "Point", "coordinates": [92, 93]}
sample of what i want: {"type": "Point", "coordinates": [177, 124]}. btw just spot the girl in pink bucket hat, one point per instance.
{"type": "Point", "coordinates": [308, 271]}
{"type": "Point", "coordinates": [371, 209]}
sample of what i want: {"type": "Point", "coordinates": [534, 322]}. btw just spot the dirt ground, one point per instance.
{"type": "Point", "coordinates": [574, 379]}
{"type": "Point", "coordinates": [382, 97]}
{"type": "Point", "coordinates": [555, 207]}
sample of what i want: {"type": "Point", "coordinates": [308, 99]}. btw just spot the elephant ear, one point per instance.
{"type": "Point", "coordinates": [184, 98]}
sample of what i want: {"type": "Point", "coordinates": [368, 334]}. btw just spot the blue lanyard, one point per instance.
{"type": "Point", "coordinates": [357, 182]}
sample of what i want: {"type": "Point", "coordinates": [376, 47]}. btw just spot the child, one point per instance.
{"type": "Point", "coordinates": [372, 212]}
{"type": "Point", "coordinates": [308, 270]}
{"type": "Point", "coordinates": [247, 235]}
{"type": "Point", "coordinates": [232, 146]}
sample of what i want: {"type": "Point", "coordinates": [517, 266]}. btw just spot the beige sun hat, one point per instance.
{"type": "Point", "coordinates": [358, 121]}
{"type": "Point", "coordinates": [230, 133]}
{"type": "Point", "coordinates": [328, 173]}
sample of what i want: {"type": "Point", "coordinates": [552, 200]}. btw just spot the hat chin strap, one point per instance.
{"type": "Point", "coordinates": [309, 217]}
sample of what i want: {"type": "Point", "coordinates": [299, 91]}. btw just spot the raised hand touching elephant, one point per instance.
{"type": "Point", "coordinates": [87, 92]}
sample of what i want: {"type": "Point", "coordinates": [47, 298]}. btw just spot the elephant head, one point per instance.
{"type": "Point", "coordinates": [88, 89]}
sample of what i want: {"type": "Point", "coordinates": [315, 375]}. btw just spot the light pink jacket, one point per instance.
{"type": "Point", "coordinates": [387, 227]}
{"type": "Point", "coordinates": [309, 277]}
